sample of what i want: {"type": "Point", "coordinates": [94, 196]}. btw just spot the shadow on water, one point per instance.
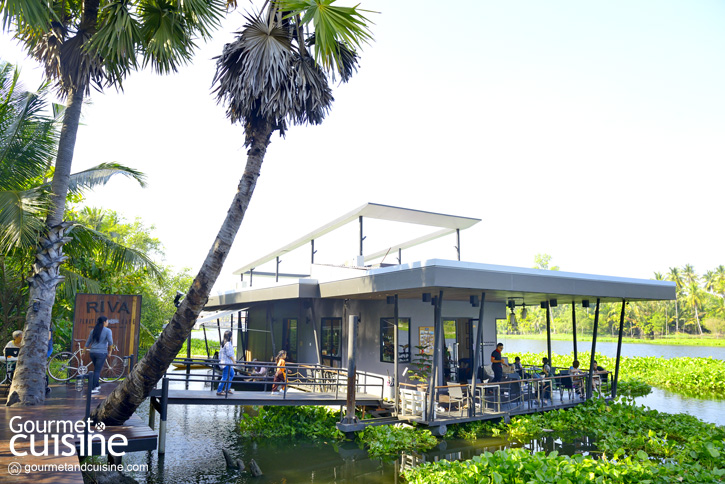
{"type": "Point", "coordinates": [197, 434]}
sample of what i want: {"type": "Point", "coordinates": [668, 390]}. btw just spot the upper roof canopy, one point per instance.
{"type": "Point", "coordinates": [446, 223]}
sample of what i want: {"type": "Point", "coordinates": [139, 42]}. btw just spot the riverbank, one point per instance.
{"type": "Point", "coordinates": [679, 340]}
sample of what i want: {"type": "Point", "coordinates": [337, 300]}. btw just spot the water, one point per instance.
{"type": "Point", "coordinates": [514, 346]}
{"type": "Point", "coordinates": [197, 434]}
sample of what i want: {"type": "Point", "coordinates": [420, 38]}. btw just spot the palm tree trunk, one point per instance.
{"type": "Point", "coordinates": [697, 318]}
{"type": "Point", "coordinates": [28, 386]}
{"type": "Point", "coordinates": [125, 398]}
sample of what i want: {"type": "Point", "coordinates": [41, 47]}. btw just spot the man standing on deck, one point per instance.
{"type": "Point", "coordinates": [497, 363]}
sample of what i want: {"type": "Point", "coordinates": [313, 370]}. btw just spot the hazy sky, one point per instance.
{"type": "Point", "coordinates": [591, 131]}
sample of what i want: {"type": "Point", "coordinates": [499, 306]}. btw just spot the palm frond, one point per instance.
{"type": "Point", "coordinates": [346, 63]}
{"type": "Point", "coordinates": [75, 283]}
{"type": "Point", "coordinates": [311, 91]}
{"type": "Point", "coordinates": [332, 25]}
{"type": "Point", "coordinates": [100, 175]}
{"type": "Point", "coordinates": [252, 70]}
{"type": "Point", "coordinates": [21, 218]}
{"type": "Point", "coordinates": [27, 136]}
{"type": "Point", "coordinates": [116, 256]}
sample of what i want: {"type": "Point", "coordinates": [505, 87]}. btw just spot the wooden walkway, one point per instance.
{"type": "Point", "coordinates": [63, 403]}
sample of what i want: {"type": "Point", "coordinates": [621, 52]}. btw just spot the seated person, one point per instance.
{"type": "Point", "coordinates": [598, 374]}
{"type": "Point", "coordinates": [545, 374]}
{"type": "Point", "coordinates": [11, 350]}
{"type": "Point", "coordinates": [576, 378]}
{"type": "Point", "coordinates": [259, 372]}
{"type": "Point", "coordinates": [518, 368]}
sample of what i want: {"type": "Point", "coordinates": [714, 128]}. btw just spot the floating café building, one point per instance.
{"type": "Point", "coordinates": [360, 312]}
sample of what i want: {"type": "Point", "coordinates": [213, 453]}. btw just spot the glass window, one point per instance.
{"type": "Point", "coordinates": [387, 335]}
{"type": "Point", "coordinates": [331, 338]}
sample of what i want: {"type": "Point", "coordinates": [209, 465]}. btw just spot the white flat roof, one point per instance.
{"type": "Point", "coordinates": [447, 223]}
{"type": "Point", "coordinates": [458, 281]}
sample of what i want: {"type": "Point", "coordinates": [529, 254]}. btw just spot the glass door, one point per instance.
{"type": "Point", "coordinates": [330, 349]}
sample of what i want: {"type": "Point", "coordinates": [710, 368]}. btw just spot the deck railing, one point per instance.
{"type": "Point", "coordinates": [302, 376]}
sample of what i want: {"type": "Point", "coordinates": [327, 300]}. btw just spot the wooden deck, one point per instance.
{"type": "Point", "coordinates": [63, 403]}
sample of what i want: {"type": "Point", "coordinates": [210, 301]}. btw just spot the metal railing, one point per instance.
{"type": "Point", "coordinates": [305, 377]}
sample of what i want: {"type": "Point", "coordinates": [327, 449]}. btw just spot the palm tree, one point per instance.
{"type": "Point", "coordinates": [694, 298]}
{"type": "Point", "coordinates": [269, 77]}
{"type": "Point", "coordinates": [675, 276]}
{"type": "Point", "coordinates": [80, 44]}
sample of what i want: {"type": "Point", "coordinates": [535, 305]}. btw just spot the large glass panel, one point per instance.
{"type": "Point", "coordinates": [331, 338]}
{"type": "Point", "coordinates": [387, 341]}
{"type": "Point", "coordinates": [290, 338]}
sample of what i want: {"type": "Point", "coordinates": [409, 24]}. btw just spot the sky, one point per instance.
{"type": "Point", "coordinates": [589, 131]}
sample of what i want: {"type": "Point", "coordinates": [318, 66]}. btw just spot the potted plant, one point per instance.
{"type": "Point", "coordinates": [422, 365]}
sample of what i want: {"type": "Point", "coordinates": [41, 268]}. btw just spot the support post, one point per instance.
{"type": "Point", "coordinates": [594, 349]}
{"type": "Point", "coordinates": [619, 350]}
{"type": "Point", "coordinates": [573, 324]}
{"type": "Point", "coordinates": [312, 251]}
{"type": "Point", "coordinates": [400, 256]}
{"type": "Point", "coordinates": [276, 271]}
{"type": "Point", "coordinates": [458, 243]}
{"type": "Point", "coordinates": [361, 234]}
{"type": "Point", "coordinates": [152, 413]}
{"type": "Point", "coordinates": [396, 385]}
{"type": "Point", "coordinates": [437, 340]}
{"type": "Point", "coordinates": [476, 357]}
{"type": "Point", "coordinates": [206, 342]}
{"type": "Point", "coordinates": [164, 415]}
{"type": "Point", "coordinates": [352, 324]}
{"type": "Point", "coordinates": [188, 357]}
{"type": "Point", "coordinates": [548, 331]}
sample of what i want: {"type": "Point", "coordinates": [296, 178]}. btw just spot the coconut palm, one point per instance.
{"type": "Point", "coordinates": [84, 43]}
{"type": "Point", "coordinates": [694, 299]}
{"type": "Point", "coordinates": [27, 148]}
{"type": "Point", "coordinates": [274, 74]}
{"type": "Point", "coordinates": [675, 276]}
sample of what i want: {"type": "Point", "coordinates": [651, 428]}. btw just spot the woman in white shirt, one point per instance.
{"type": "Point", "coordinates": [226, 360]}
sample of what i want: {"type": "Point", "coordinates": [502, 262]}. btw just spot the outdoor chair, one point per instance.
{"type": "Point", "coordinates": [458, 395]}
{"type": "Point", "coordinates": [567, 383]}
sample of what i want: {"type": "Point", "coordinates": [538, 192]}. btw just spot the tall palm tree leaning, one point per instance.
{"type": "Point", "coordinates": [82, 43]}
{"type": "Point", "coordinates": [28, 138]}
{"type": "Point", "coordinates": [275, 73]}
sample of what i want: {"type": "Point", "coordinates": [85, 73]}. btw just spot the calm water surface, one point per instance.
{"type": "Point", "coordinates": [610, 349]}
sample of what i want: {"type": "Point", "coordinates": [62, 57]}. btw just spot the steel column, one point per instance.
{"type": "Point", "coordinates": [594, 349]}
{"type": "Point", "coordinates": [619, 350]}
{"type": "Point", "coordinates": [437, 339]}
{"type": "Point", "coordinates": [548, 331]}
{"type": "Point", "coordinates": [573, 323]}
{"type": "Point", "coordinates": [476, 357]}
{"type": "Point", "coordinates": [164, 414]}
{"type": "Point", "coordinates": [395, 352]}
{"type": "Point", "coordinates": [353, 320]}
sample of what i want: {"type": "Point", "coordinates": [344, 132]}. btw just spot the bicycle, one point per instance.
{"type": "Point", "coordinates": [66, 365]}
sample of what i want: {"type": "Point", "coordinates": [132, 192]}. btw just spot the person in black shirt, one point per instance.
{"type": "Point", "coordinates": [497, 363]}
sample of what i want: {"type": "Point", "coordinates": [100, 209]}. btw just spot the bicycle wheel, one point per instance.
{"type": "Point", "coordinates": [63, 366]}
{"type": "Point", "coordinates": [112, 369]}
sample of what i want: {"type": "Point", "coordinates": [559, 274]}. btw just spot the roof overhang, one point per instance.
{"type": "Point", "coordinates": [446, 224]}
{"type": "Point", "coordinates": [305, 288]}
{"type": "Point", "coordinates": [459, 281]}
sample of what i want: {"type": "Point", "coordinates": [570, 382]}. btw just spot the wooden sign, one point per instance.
{"type": "Point", "coordinates": [123, 313]}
